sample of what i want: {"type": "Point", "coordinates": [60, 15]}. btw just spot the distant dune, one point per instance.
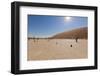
{"type": "Point", "coordinates": [80, 33]}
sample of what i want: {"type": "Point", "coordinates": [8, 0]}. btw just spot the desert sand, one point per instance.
{"type": "Point", "coordinates": [52, 49]}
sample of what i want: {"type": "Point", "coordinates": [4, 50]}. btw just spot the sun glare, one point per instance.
{"type": "Point", "coordinates": [67, 18]}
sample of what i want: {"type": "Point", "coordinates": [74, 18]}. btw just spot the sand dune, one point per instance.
{"type": "Point", "coordinates": [80, 33]}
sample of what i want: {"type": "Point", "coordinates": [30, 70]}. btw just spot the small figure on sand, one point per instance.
{"type": "Point", "coordinates": [76, 39]}
{"type": "Point", "coordinates": [70, 45]}
{"type": "Point", "coordinates": [34, 40]}
{"type": "Point", "coordinates": [37, 39]}
{"type": "Point", "coordinates": [47, 39]}
{"type": "Point", "coordinates": [56, 43]}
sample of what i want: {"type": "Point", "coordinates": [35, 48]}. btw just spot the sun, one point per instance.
{"type": "Point", "coordinates": [67, 18]}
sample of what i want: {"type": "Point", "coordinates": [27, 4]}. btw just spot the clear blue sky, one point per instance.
{"type": "Point", "coordinates": [46, 26]}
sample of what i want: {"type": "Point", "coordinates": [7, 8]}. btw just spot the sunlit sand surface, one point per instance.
{"type": "Point", "coordinates": [52, 49]}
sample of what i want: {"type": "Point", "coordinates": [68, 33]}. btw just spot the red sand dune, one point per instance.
{"type": "Point", "coordinates": [80, 33]}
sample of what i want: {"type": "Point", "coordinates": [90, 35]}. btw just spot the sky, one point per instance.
{"type": "Point", "coordinates": [41, 26]}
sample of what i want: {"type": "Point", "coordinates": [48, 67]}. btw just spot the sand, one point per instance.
{"type": "Point", "coordinates": [52, 49]}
